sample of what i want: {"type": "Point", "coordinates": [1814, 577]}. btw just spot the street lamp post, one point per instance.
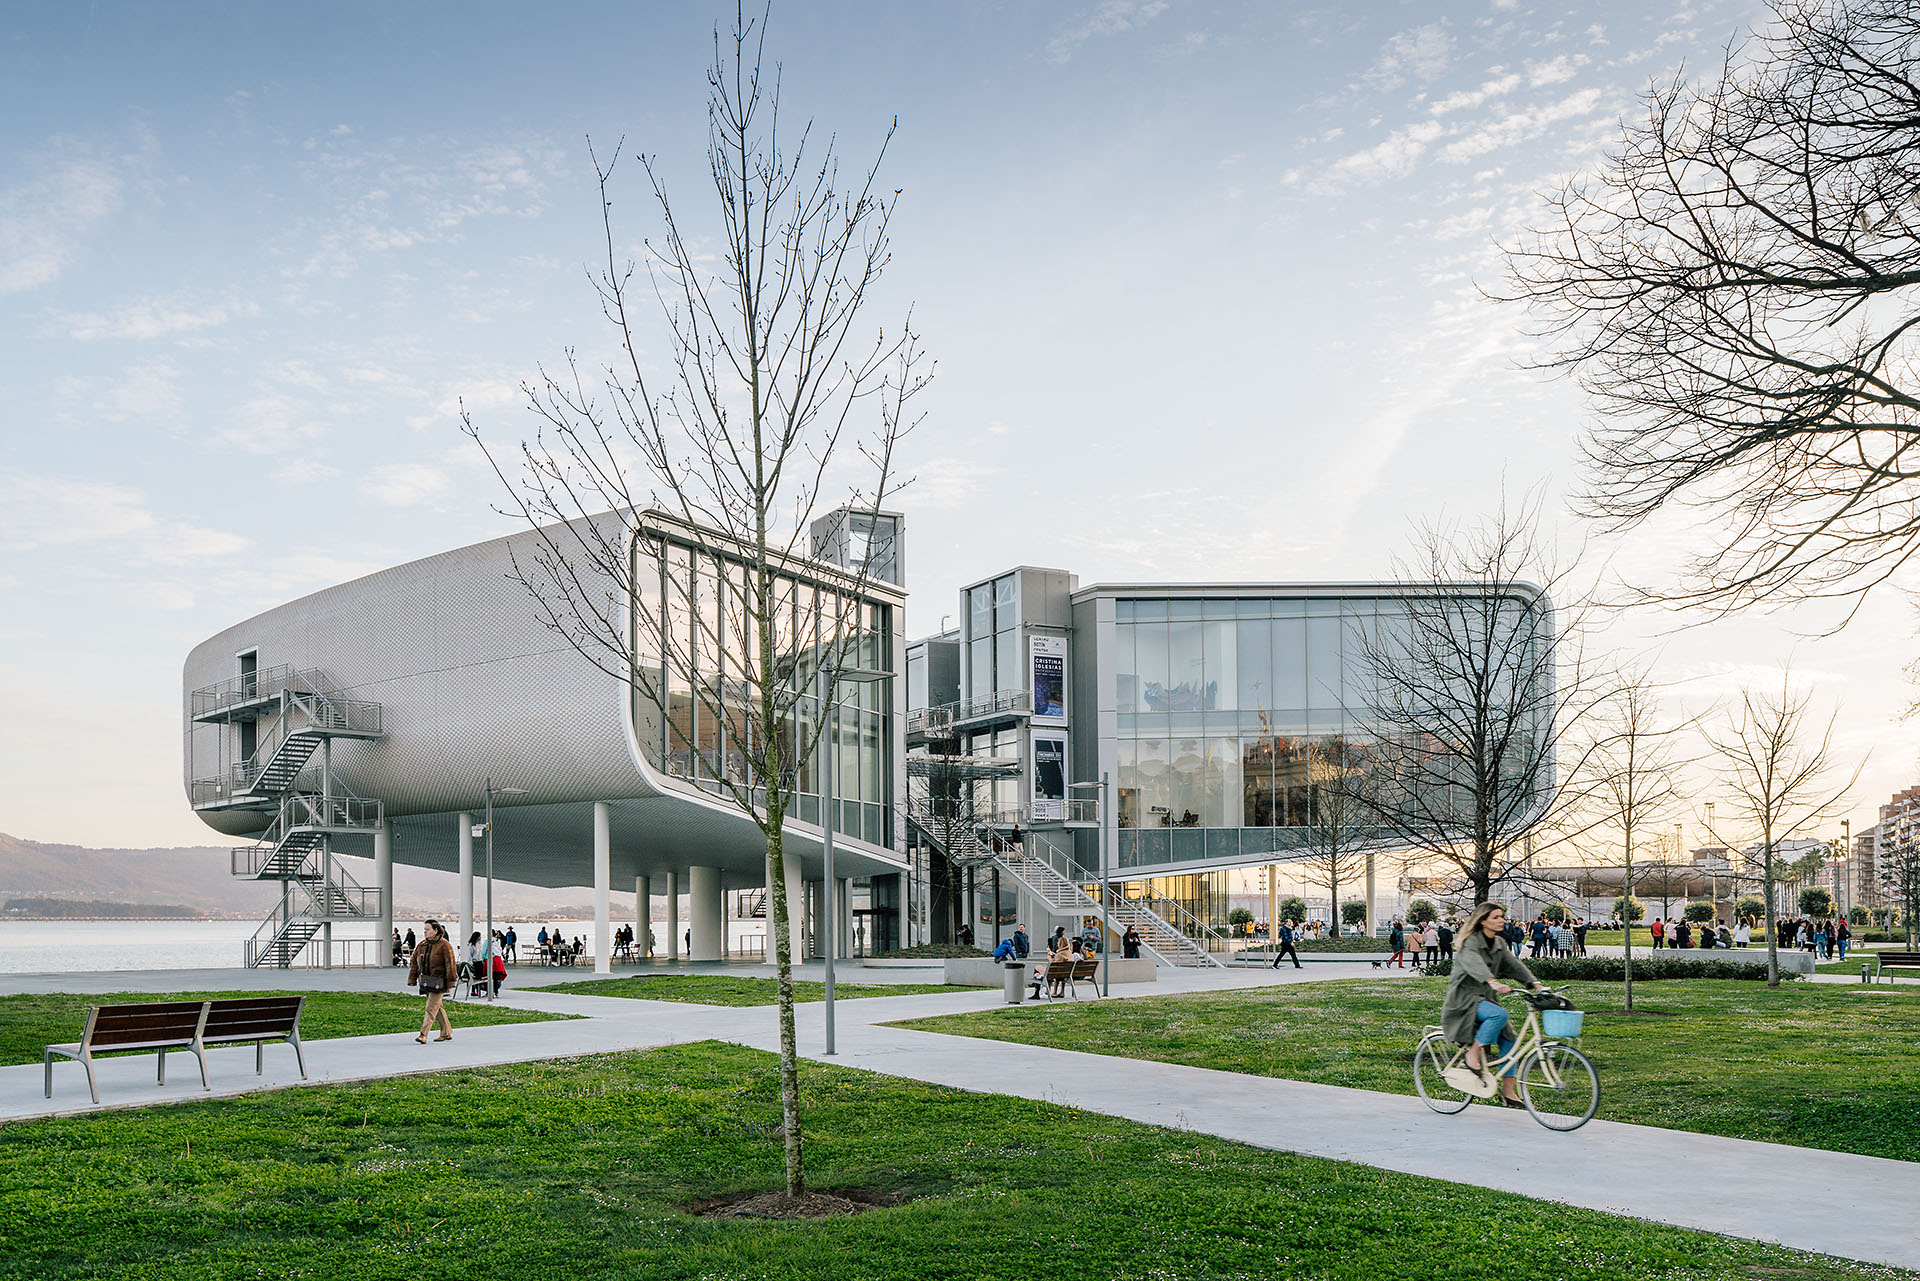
{"type": "Point", "coordinates": [824, 684]}
{"type": "Point", "coordinates": [1846, 875]}
{"type": "Point", "coordinates": [1106, 912]}
{"type": "Point", "coordinates": [491, 792]}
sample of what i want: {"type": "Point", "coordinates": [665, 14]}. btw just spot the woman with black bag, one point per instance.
{"type": "Point", "coordinates": [434, 969]}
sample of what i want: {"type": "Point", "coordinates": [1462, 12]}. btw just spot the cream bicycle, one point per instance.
{"type": "Point", "coordinates": [1557, 1082]}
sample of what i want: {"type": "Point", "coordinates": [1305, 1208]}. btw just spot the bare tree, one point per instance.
{"type": "Point", "coordinates": [1898, 871]}
{"type": "Point", "coordinates": [1634, 764]}
{"type": "Point", "coordinates": [1777, 764]}
{"type": "Point", "coordinates": [1734, 288]}
{"type": "Point", "coordinates": [1471, 690]}
{"type": "Point", "coordinates": [1339, 831]}
{"type": "Point", "coordinates": [775, 400]}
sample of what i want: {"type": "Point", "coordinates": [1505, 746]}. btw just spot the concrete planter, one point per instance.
{"type": "Point", "coordinates": [987, 972]}
{"type": "Point", "coordinates": [906, 963]}
{"type": "Point", "coordinates": [971, 972]}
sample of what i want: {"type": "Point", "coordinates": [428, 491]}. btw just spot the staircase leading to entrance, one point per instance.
{"type": "Point", "coordinates": [315, 888]}
{"type": "Point", "coordinates": [1049, 872]}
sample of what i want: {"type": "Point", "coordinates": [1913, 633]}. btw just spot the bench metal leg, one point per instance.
{"type": "Point", "coordinates": [200, 1053]}
{"type": "Point", "coordinates": [299, 1055]}
{"type": "Point", "coordinates": [163, 1065]}
{"type": "Point", "coordinates": [49, 1062]}
{"type": "Point", "coordinates": [259, 1058]}
{"type": "Point", "coordinates": [93, 1085]}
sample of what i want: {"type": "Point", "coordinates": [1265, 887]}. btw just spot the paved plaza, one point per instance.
{"type": "Point", "coordinates": [1831, 1203]}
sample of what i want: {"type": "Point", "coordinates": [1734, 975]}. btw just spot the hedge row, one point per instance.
{"type": "Point", "coordinates": [1613, 969]}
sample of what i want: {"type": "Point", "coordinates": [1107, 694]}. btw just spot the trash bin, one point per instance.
{"type": "Point", "coordinates": [1013, 981]}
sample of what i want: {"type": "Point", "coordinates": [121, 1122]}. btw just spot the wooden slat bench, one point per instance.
{"type": "Point", "coordinates": [1886, 962]}
{"type": "Point", "coordinates": [257, 1019]}
{"type": "Point", "coordinates": [1070, 974]}
{"type": "Point", "coordinates": [153, 1025]}
{"type": "Point", "coordinates": [184, 1025]}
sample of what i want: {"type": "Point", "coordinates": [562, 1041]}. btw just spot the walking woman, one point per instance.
{"type": "Point", "coordinates": [434, 969]}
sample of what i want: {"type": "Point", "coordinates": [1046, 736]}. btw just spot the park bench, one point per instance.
{"type": "Point", "coordinates": [257, 1019]}
{"type": "Point", "coordinates": [1070, 974]}
{"type": "Point", "coordinates": [1886, 962]}
{"type": "Point", "coordinates": [152, 1025]}
{"type": "Point", "coordinates": [183, 1025]}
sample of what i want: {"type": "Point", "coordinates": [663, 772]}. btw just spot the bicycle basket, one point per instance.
{"type": "Point", "coordinates": [1561, 1024]}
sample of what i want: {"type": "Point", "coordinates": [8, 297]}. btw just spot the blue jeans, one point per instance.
{"type": "Point", "coordinates": [1843, 948]}
{"type": "Point", "coordinates": [1493, 1029]}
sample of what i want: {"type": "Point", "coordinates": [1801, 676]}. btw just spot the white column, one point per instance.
{"type": "Point", "coordinates": [466, 885]}
{"type": "Point", "coordinates": [816, 912]}
{"type": "Point", "coordinates": [706, 914]}
{"type": "Point", "coordinates": [642, 916]}
{"type": "Point", "coordinates": [673, 916]}
{"type": "Point", "coordinates": [843, 908]}
{"type": "Point", "coordinates": [1273, 905]}
{"type": "Point", "coordinates": [1370, 918]}
{"type": "Point", "coordinates": [383, 882]}
{"type": "Point", "coordinates": [602, 889]}
{"type": "Point", "coordinates": [796, 908]}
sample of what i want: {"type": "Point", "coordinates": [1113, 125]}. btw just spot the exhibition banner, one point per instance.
{"type": "Point", "coordinates": [1047, 678]}
{"type": "Point", "coordinates": [1049, 788]}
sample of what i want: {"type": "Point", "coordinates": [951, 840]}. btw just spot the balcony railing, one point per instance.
{"type": "Point", "coordinates": [251, 687]}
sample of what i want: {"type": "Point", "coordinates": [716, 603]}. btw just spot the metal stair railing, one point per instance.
{"type": "Point", "coordinates": [1176, 914]}
{"type": "Point", "coordinates": [1052, 874]}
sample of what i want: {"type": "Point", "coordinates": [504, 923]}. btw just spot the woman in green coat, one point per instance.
{"type": "Point", "coordinates": [1473, 1013]}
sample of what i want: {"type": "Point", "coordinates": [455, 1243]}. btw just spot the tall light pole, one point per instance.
{"type": "Point", "coordinates": [824, 686]}
{"type": "Point", "coordinates": [491, 792]}
{"type": "Point", "coordinates": [1846, 877]}
{"type": "Point", "coordinates": [1106, 913]}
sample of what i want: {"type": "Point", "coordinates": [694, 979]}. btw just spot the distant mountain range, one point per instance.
{"type": "Point", "coordinates": [197, 877]}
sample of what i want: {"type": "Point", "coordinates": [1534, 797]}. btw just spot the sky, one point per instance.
{"type": "Point", "coordinates": [1207, 285]}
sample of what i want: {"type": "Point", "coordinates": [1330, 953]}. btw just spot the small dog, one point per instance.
{"type": "Point", "coordinates": [1378, 964]}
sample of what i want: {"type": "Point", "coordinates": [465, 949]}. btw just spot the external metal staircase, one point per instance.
{"type": "Point", "coordinates": [1050, 873]}
{"type": "Point", "coordinates": [301, 714]}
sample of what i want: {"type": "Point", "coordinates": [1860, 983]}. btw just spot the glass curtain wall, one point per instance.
{"type": "Point", "coordinates": [1218, 702]}
{"type": "Point", "coordinates": [992, 638]}
{"type": "Point", "coordinates": [696, 696]}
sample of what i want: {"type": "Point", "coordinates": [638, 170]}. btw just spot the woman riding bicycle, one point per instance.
{"type": "Point", "coordinates": [1473, 1012]}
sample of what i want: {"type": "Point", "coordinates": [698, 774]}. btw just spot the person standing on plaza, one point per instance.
{"type": "Point", "coordinates": [1658, 929]}
{"type": "Point", "coordinates": [1842, 935]}
{"type": "Point", "coordinates": [1443, 932]}
{"type": "Point", "coordinates": [1130, 944]}
{"type": "Point", "coordinates": [1397, 942]}
{"type": "Point", "coordinates": [1022, 946]}
{"type": "Point", "coordinates": [435, 971]}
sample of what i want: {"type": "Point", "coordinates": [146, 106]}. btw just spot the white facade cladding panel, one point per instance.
{"type": "Point", "coordinates": [473, 687]}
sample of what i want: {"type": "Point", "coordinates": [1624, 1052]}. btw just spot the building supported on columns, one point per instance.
{"type": "Point", "coordinates": [428, 680]}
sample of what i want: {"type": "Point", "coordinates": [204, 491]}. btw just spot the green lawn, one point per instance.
{"type": "Point", "coordinates": [1814, 1065]}
{"type": "Point", "coordinates": [584, 1169]}
{"type": "Point", "coordinates": [725, 989]}
{"type": "Point", "coordinates": [28, 1024]}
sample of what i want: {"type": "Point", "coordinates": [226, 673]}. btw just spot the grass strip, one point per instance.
{"type": "Point", "coordinates": [1815, 1065]}
{"type": "Point", "coordinates": [727, 989]}
{"type": "Point", "coordinates": [583, 1169]}
{"type": "Point", "coordinates": [28, 1024]}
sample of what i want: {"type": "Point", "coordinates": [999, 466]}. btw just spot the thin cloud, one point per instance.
{"type": "Point", "coordinates": [149, 319]}
{"type": "Point", "coordinates": [44, 221]}
{"type": "Point", "coordinates": [1419, 54]}
{"type": "Point", "coordinates": [1113, 18]}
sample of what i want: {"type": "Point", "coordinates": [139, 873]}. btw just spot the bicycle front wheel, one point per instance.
{"type": "Point", "coordinates": [1429, 1061]}
{"type": "Point", "coordinates": [1560, 1087]}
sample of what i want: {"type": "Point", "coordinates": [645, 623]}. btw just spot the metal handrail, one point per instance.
{"type": "Point", "coordinates": [1176, 914]}
{"type": "Point", "coordinates": [252, 687]}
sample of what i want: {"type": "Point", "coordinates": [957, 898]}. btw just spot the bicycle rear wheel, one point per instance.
{"type": "Point", "coordinates": [1560, 1087]}
{"type": "Point", "coordinates": [1429, 1060]}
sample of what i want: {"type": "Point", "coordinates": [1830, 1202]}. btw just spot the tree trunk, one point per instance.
{"type": "Point", "coordinates": [783, 984]}
{"type": "Point", "coordinates": [1773, 914]}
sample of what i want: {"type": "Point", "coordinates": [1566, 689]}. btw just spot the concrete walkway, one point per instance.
{"type": "Point", "coordinates": [1830, 1203]}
